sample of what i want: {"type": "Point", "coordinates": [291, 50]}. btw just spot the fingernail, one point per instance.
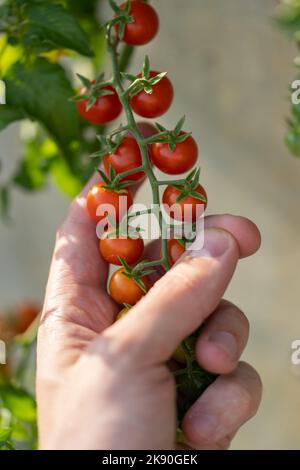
{"type": "Point", "coordinates": [211, 243]}
{"type": "Point", "coordinates": [226, 341]}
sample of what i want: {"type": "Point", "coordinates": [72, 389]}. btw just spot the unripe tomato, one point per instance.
{"type": "Point", "coordinates": [180, 160]}
{"type": "Point", "coordinates": [179, 355]}
{"type": "Point", "coordinates": [26, 313]}
{"type": "Point", "coordinates": [145, 24]}
{"type": "Point", "coordinates": [130, 249]}
{"type": "Point", "coordinates": [189, 204]}
{"type": "Point", "coordinates": [126, 157]}
{"type": "Point", "coordinates": [157, 103]}
{"type": "Point", "coordinates": [106, 109]}
{"type": "Point", "coordinates": [175, 251]}
{"type": "Point", "coordinates": [117, 203]}
{"type": "Point", "coordinates": [125, 290]}
{"type": "Point", "coordinates": [122, 313]}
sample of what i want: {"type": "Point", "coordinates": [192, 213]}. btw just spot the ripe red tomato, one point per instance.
{"type": "Point", "coordinates": [26, 312]}
{"type": "Point", "coordinates": [106, 109]}
{"type": "Point", "coordinates": [125, 290]}
{"type": "Point", "coordinates": [117, 203]}
{"type": "Point", "coordinates": [157, 103]}
{"type": "Point", "coordinates": [146, 128]}
{"type": "Point", "coordinates": [126, 157]}
{"type": "Point", "coordinates": [169, 199]}
{"type": "Point", "coordinates": [130, 249]}
{"type": "Point", "coordinates": [145, 25]}
{"type": "Point", "coordinates": [175, 250]}
{"type": "Point", "coordinates": [180, 160]}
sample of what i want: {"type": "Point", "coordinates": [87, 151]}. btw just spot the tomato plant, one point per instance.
{"type": "Point", "coordinates": [179, 159]}
{"type": "Point", "coordinates": [127, 156]}
{"type": "Point", "coordinates": [26, 313]}
{"type": "Point", "coordinates": [190, 207]}
{"type": "Point", "coordinates": [101, 107]}
{"type": "Point", "coordinates": [39, 85]}
{"type": "Point", "coordinates": [144, 25]}
{"type": "Point", "coordinates": [116, 203]}
{"type": "Point", "coordinates": [127, 290]}
{"type": "Point", "coordinates": [114, 246]}
{"type": "Point", "coordinates": [176, 248]}
{"type": "Point", "coordinates": [154, 104]}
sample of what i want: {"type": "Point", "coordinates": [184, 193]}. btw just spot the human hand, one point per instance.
{"type": "Point", "coordinates": [105, 385]}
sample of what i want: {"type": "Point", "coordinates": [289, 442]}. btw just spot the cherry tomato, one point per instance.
{"type": "Point", "coordinates": [130, 249]}
{"type": "Point", "coordinates": [122, 313]}
{"type": "Point", "coordinates": [145, 24]}
{"type": "Point", "coordinates": [106, 109]}
{"type": "Point", "coordinates": [175, 250]}
{"type": "Point", "coordinates": [179, 355]}
{"type": "Point", "coordinates": [157, 103]}
{"type": "Point", "coordinates": [26, 313]}
{"type": "Point", "coordinates": [126, 157]}
{"type": "Point", "coordinates": [180, 160]}
{"type": "Point", "coordinates": [118, 203]}
{"type": "Point", "coordinates": [189, 204]}
{"type": "Point", "coordinates": [125, 290]}
{"type": "Point", "coordinates": [146, 128]}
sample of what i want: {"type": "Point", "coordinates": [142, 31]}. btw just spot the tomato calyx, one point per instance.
{"type": "Point", "coordinates": [113, 183]}
{"type": "Point", "coordinates": [137, 273]}
{"type": "Point", "coordinates": [144, 82]}
{"type": "Point", "coordinates": [122, 17]}
{"type": "Point", "coordinates": [172, 138]}
{"type": "Point", "coordinates": [188, 187]}
{"type": "Point", "coordinates": [93, 89]}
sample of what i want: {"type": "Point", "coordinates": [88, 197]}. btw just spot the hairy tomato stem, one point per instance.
{"type": "Point", "coordinates": [143, 146]}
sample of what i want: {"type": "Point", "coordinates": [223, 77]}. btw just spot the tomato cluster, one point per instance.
{"type": "Point", "coordinates": [172, 152]}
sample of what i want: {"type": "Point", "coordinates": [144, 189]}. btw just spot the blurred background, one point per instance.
{"type": "Point", "coordinates": [231, 68]}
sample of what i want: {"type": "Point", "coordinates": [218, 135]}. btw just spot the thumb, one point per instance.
{"type": "Point", "coordinates": [181, 300]}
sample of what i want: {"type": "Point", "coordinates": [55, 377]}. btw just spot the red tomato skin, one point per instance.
{"type": "Point", "coordinates": [156, 104]}
{"type": "Point", "coordinates": [106, 109]}
{"type": "Point", "coordinates": [26, 313]}
{"type": "Point", "coordinates": [145, 25]}
{"type": "Point", "coordinates": [126, 157]}
{"type": "Point", "coordinates": [169, 199]}
{"type": "Point", "coordinates": [124, 290]}
{"type": "Point", "coordinates": [99, 195]}
{"type": "Point", "coordinates": [130, 249]}
{"type": "Point", "coordinates": [175, 251]}
{"type": "Point", "coordinates": [178, 161]}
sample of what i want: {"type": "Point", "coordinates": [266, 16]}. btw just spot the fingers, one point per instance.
{"type": "Point", "coordinates": [244, 231]}
{"type": "Point", "coordinates": [222, 339]}
{"type": "Point", "coordinates": [223, 408]}
{"type": "Point", "coordinates": [181, 300]}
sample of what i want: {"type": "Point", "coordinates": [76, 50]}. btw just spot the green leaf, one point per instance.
{"type": "Point", "coordinates": [42, 91]}
{"type": "Point", "coordinates": [179, 125]}
{"type": "Point", "coordinates": [85, 81]}
{"type": "Point", "coordinates": [19, 402]}
{"type": "Point", "coordinates": [146, 67]}
{"type": "Point", "coordinates": [10, 114]}
{"type": "Point", "coordinates": [50, 25]}
{"type": "Point", "coordinates": [4, 201]}
{"type": "Point", "coordinates": [67, 182]}
{"type": "Point", "coordinates": [32, 170]}
{"type": "Point", "coordinates": [4, 436]}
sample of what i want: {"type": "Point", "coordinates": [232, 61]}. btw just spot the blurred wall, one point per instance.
{"type": "Point", "coordinates": [231, 69]}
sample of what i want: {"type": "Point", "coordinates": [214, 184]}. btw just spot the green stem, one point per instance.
{"type": "Point", "coordinates": [133, 171]}
{"type": "Point", "coordinates": [154, 138]}
{"type": "Point", "coordinates": [166, 182]}
{"type": "Point", "coordinates": [139, 138]}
